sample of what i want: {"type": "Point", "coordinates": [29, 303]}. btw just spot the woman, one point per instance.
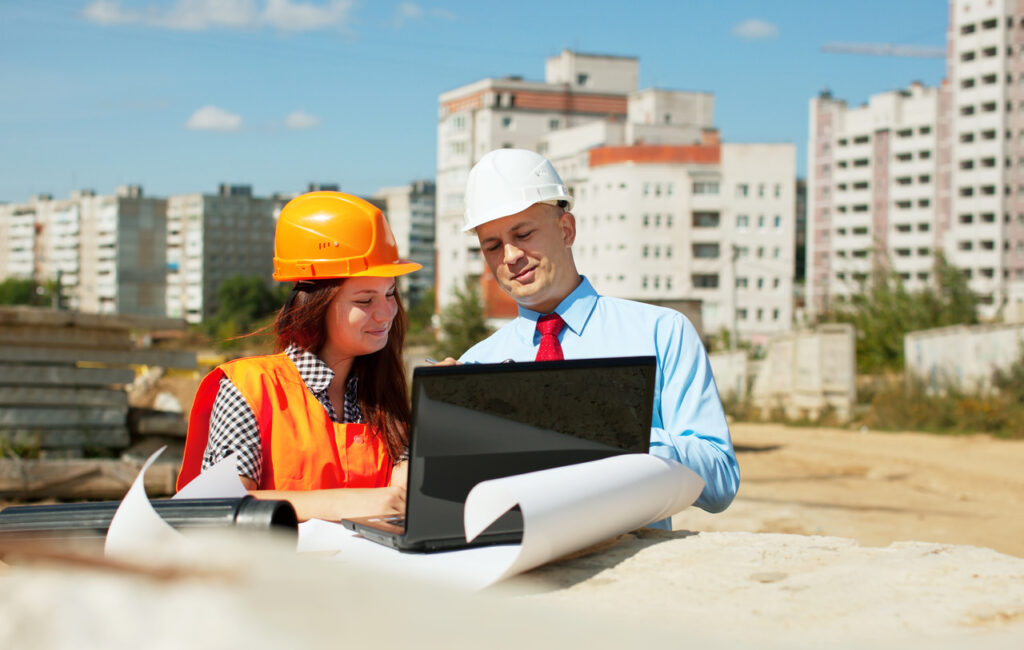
{"type": "Point", "coordinates": [324, 422]}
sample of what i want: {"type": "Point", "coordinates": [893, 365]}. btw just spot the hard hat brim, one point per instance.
{"type": "Point", "coordinates": [325, 270]}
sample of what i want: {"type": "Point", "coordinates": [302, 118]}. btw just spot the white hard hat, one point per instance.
{"type": "Point", "coordinates": [507, 181]}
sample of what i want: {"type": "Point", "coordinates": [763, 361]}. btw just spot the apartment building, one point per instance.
{"type": "Point", "coordinates": [108, 253]}
{"type": "Point", "coordinates": [410, 213]}
{"type": "Point", "coordinates": [873, 191]}
{"type": "Point", "coordinates": [927, 169]}
{"type": "Point", "coordinates": [212, 237]}
{"type": "Point", "coordinates": [666, 212]}
{"type": "Point", "coordinates": [985, 70]}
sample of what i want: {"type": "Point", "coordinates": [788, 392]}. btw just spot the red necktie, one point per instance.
{"type": "Point", "coordinates": [550, 349]}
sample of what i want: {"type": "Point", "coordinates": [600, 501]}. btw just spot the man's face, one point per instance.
{"type": "Point", "coordinates": [530, 255]}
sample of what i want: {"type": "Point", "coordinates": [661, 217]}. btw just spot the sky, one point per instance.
{"type": "Point", "coordinates": [181, 95]}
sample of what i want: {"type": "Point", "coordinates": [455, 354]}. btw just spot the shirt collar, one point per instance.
{"type": "Point", "coordinates": [575, 310]}
{"type": "Point", "coordinates": [313, 371]}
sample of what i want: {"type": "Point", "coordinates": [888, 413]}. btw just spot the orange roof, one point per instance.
{"type": "Point", "coordinates": [646, 153]}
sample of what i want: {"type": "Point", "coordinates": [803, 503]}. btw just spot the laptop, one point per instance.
{"type": "Point", "coordinates": [472, 423]}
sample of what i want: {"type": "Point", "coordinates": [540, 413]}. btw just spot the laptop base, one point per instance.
{"type": "Point", "coordinates": [377, 529]}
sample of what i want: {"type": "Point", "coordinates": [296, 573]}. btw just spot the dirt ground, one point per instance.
{"type": "Point", "coordinates": [875, 487]}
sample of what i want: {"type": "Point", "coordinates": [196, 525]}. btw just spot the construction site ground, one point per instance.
{"type": "Point", "coordinates": [874, 487]}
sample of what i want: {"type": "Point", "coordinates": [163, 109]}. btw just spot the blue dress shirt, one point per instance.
{"type": "Point", "coordinates": [688, 423]}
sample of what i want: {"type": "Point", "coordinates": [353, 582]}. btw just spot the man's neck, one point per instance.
{"type": "Point", "coordinates": [551, 305]}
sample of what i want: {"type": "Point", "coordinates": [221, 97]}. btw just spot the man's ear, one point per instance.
{"type": "Point", "coordinates": [567, 223]}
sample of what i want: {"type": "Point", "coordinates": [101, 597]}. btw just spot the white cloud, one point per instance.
{"type": "Point", "coordinates": [410, 11]}
{"type": "Point", "coordinates": [301, 120]}
{"type": "Point", "coordinates": [106, 13]}
{"type": "Point", "coordinates": [753, 29]}
{"type": "Point", "coordinates": [212, 118]}
{"type": "Point", "coordinates": [289, 16]}
{"type": "Point", "coordinates": [407, 11]}
{"type": "Point", "coordinates": [197, 15]}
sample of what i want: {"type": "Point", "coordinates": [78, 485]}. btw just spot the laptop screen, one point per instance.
{"type": "Point", "coordinates": [477, 422]}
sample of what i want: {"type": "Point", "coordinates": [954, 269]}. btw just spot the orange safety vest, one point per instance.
{"type": "Point", "coordinates": [302, 449]}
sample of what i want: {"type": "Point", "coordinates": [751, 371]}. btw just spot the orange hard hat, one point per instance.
{"type": "Point", "coordinates": [334, 235]}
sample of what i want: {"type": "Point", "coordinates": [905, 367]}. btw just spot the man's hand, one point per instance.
{"type": "Point", "coordinates": [448, 361]}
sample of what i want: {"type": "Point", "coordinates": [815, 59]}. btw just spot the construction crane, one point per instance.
{"type": "Point", "coordinates": [885, 49]}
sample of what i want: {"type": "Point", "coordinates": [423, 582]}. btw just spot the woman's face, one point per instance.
{"type": "Point", "coordinates": [360, 316]}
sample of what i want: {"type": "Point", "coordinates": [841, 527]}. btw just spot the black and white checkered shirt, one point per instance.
{"type": "Point", "coordinates": [233, 425]}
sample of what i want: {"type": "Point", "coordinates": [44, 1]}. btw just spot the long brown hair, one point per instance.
{"type": "Point", "coordinates": [383, 392]}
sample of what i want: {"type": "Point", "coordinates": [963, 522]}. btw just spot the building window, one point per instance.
{"type": "Point", "coordinates": [554, 124]}
{"type": "Point", "coordinates": [705, 251]}
{"type": "Point", "coordinates": [582, 79]}
{"type": "Point", "coordinates": [705, 187]}
{"type": "Point", "coordinates": [506, 122]}
{"type": "Point", "coordinates": [705, 219]}
{"type": "Point", "coordinates": [742, 189]}
{"type": "Point", "coordinates": [705, 280]}
{"type": "Point", "coordinates": [778, 221]}
{"type": "Point", "coordinates": [741, 283]}
{"type": "Point", "coordinates": [742, 221]}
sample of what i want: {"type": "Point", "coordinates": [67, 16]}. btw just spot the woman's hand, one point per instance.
{"type": "Point", "coordinates": [400, 475]}
{"type": "Point", "coordinates": [341, 503]}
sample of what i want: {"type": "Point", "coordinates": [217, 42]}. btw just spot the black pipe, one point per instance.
{"type": "Point", "coordinates": [90, 521]}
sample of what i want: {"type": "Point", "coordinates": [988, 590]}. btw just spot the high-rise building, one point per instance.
{"type": "Point", "coordinates": [873, 192]}
{"type": "Point", "coordinates": [666, 213]}
{"type": "Point", "coordinates": [410, 213]}
{"type": "Point", "coordinates": [212, 237]}
{"type": "Point", "coordinates": [984, 228]}
{"type": "Point", "coordinates": [927, 170]}
{"type": "Point", "coordinates": [107, 253]}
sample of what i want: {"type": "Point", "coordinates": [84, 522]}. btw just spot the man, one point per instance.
{"type": "Point", "coordinates": [519, 208]}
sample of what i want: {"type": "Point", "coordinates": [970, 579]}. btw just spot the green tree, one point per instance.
{"type": "Point", "coordinates": [884, 311]}
{"type": "Point", "coordinates": [421, 326]}
{"type": "Point", "coordinates": [462, 322]}
{"type": "Point", "coordinates": [244, 304]}
{"type": "Point", "coordinates": [15, 291]}
{"type": "Point", "coordinates": [421, 312]}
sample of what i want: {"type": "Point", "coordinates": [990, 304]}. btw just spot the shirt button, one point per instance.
{"type": "Point", "coordinates": [359, 439]}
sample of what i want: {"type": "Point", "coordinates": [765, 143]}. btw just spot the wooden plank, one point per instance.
{"type": "Point", "coordinates": [110, 437]}
{"type": "Point", "coordinates": [93, 479]}
{"type": "Point", "coordinates": [28, 375]}
{"type": "Point", "coordinates": [150, 422]}
{"type": "Point", "coordinates": [53, 318]}
{"type": "Point", "coordinates": [165, 358]}
{"type": "Point", "coordinates": [68, 337]}
{"type": "Point", "coordinates": [29, 417]}
{"type": "Point", "coordinates": [62, 396]}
